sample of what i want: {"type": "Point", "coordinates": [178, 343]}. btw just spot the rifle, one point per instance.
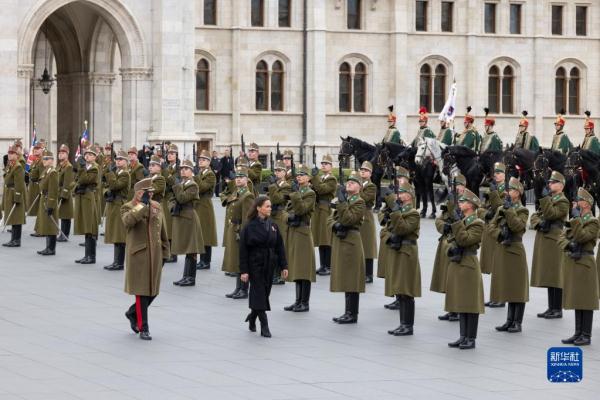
{"type": "Point", "coordinates": [314, 155]}
{"type": "Point", "coordinates": [293, 168]}
{"type": "Point", "coordinates": [278, 156]}
{"type": "Point", "coordinates": [243, 145]}
{"type": "Point", "coordinates": [194, 153]}
{"type": "Point", "coordinates": [341, 169]}
{"type": "Point", "coordinates": [272, 166]}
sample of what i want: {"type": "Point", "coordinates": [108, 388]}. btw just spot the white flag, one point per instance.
{"type": "Point", "coordinates": [449, 109]}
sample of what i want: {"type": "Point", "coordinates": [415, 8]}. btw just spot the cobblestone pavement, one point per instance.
{"type": "Point", "coordinates": [63, 336]}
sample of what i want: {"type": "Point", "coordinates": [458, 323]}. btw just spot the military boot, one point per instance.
{"type": "Point", "coordinates": [298, 296]}
{"type": "Point", "coordinates": [238, 287]}
{"type": "Point", "coordinates": [90, 248]}
{"type": "Point", "coordinates": [472, 322]}
{"type": "Point", "coordinates": [519, 309]}
{"type": "Point", "coordinates": [347, 309]}
{"type": "Point", "coordinates": [109, 267]}
{"type": "Point", "coordinates": [409, 317]}
{"type": "Point", "coordinates": [305, 297]}
{"type": "Point", "coordinates": [243, 292]}
{"type": "Point", "coordinates": [578, 318]}
{"type": "Point", "coordinates": [587, 317]}
{"type": "Point", "coordinates": [462, 318]}
{"type": "Point", "coordinates": [510, 318]}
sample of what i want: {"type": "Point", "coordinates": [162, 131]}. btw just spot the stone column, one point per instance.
{"type": "Point", "coordinates": [24, 75]}
{"type": "Point", "coordinates": [101, 106]}
{"type": "Point", "coordinates": [317, 83]}
{"type": "Point", "coordinates": [137, 105]}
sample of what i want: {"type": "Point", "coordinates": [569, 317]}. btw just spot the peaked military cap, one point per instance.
{"type": "Point", "coordinates": [327, 159]}
{"type": "Point", "coordinates": [499, 167]}
{"type": "Point", "coordinates": [173, 148]}
{"type": "Point", "coordinates": [402, 172]}
{"type": "Point", "coordinates": [367, 165]}
{"type": "Point", "coordinates": [584, 195]}
{"type": "Point", "coordinates": [253, 146]}
{"type": "Point", "coordinates": [145, 184]}
{"type": "Point", "coordinates": [279, 165]}
{"type": "Point", "coordinates": [469, 196]}
{"type": "Point", "coordinates": [515, 184]}
{"type": "Point", "coordinates": [64, 148]}
{"type": "Point", "coordinates": [90, 150]}
{"type": "Point", "coordinates": [287, 153]}
{"type": "Point", "coordinates": [204, 154]}
{"type": "Point", "coordinates": [407, 188]}
{"type": "Point", "coordinates": [186, 164]}
{"type": "Point", "coordinates": [355, 176]}
{"type": "Point", "coordinates": [459, 179]}
{"type": "Point", "coordinates": [48, 154]}
{"type": "Point", "coordinates": [121, 154]}
{"type": "Point", "coordinates": [557, 177]}
{"type": "Point", "coordinates": [155, 160]}
{"type": "Point", "coordinates": [302, 169]}
{"type": "Point", "coordinates": [241, 171]}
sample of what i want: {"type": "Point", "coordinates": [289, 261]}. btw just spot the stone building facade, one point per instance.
{"type": "Point", "coordinates": [208, 71]}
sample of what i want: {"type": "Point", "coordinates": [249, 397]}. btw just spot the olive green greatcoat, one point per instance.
{"type": "Point", "coordinates": [489, 244]}
{"type": "Point", "coordinates": [546, 270]}
{"type": "Point", "coordinates": [226, 195]}
{"type": "Point", "coordinates": [239, 204]}
{"type": "Point", "coordinates": [136, 174]}
{"type": "Point", "coordinates": [66, 183]}
{"type": "Point", "coordinates": [117, 183]}
{"type": "Point", "coordinates": [278, 194]}
{"type": "Point", "coordinates": [464, 285]}
{"type": "Point", "coordinates": [46, 225]}
{"type": "Point", "coordinates": [384, 233]}
{"type": "Point", "coordinates": [300, 251]}
{"type": "Point", "coordinates": [14, 194]}
{"type": "Point", "coordinates": [255, 176]}
{"type": "Point", "coordinates": [598, 269]}
{"type": "Point", "coordinates": [324, 187]}
{"type": "Point", "coordinates": [147, 246]}
{"type": "Point", "coordinates": [206, 181]}
{"type": "Point", "coordinates": [187, 233]}
{"type": "Point", "coordinates": [33, 189]}
{"type": "Point", "coordinates": [347, 256]}
{"type": "Point", "coordinates": [367, 228]}
{"type": "Point", "coordinates": [440, 264]}
{"type": "Point", "coordinates": [103, 165]}
{"type": "Point", "coordinates": [169, 172]}
{"type": "Point", "coordinates": [403, 272]}
{"type": "Point", "coordinates": [159, 184]}
{"type": "Point", "coordinates": [580, 285]}
{"type": "Point", "coordinates": [86, 211]}
{"type": "Point", "coordinates": [510, 276]}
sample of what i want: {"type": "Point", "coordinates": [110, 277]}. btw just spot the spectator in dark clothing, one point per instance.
{"type": "Point", "coordinates": [227, 165]}
{"type": "Point", "coordinates": [215, 166]}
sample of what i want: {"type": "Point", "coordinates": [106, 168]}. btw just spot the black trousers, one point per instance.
{"type": "Point", "coordinates": [140, 310]}
{"type": "Point", "coordinates": [325, 256]}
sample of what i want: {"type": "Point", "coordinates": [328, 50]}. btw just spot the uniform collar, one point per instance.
{"type": "Point", "coordinates": [242, 190]}
{"type": "Point", "coordinates": [353, 198]}
{"type": "Point", "coordinates": [557, 196]}
{"type": "Point", "coordinates": [468, 220]}
{"type": "Point", "coordinates": [406, 208]}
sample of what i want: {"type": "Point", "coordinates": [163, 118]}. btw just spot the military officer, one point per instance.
{"type": "Point", "coordinates": [255, 168]}
{"type": "Point", "coordinates": [137, 172]}
{"type": "Point", "coordinates": [510, 275]}
{"type": "Point", "coordinates": [324, 186]}
{"type": "Point", "coordinates": [590, 141]}
{"type": "Point", "coordinates": [187, 231]}
{"type": "Point", "coordinates": [288, 159]}
{"type": "Point", "coordinates": [171, 173]}
{"type": "Point", "coordinates": [560, 141]}
{"type": "Point", "coordinates": [392, 135]}
{"type": "Point", "coordinates": [469, 137]}
{"type": "Point", "coordinates": [580, 274]}
{"type": "Point", "coordinates": [86, 210]}
{"type": "Point", "coordinates": [14, 197]}
{"type": "Point", "coordinates": [66, 184]}
{"type": "Point", "coordinates": [19, 150]}
{"type": "Point", "coordinates": [146, 233]}
{"type": "Point", "coordinates": [206, 181]}
{"type": "Point", "coordinates": [464, 286]}
{"type": "Point", "coordinates": [300, 249]}
{"type": "Point", "coordinates": [117, 185]}
{"type": "Point", "coordinates": [159, 183]}
{"type": "Point", "coordinates": [524, 139]}
{"type": "Point", "coordinates": [489, 244]}
{"type": "Point", "coordinates": [402, 270]}
{"type": "Point", "coordinates": [491, 141]}
{"type": "Point", "coordinates": [546, 268]}
{"type": "Point", "coordinates": [446, 134]}
{"type": "Point", "coordinates": [279, 191]}
{"type": "Point", "coordinates": [424, 130]}
{"type": "Point", "coordinates": [238, 203]}
{"type": "Point", "coordinates": [443, 224]}
{"type": "Point", "coordinates": [347, 256]}
{"type": "Point", "coordinates": [368, 237]}
{"type": "Point", "coordinates": [47, 221]}
{"type": "Point", "coordinates": [33, 188]}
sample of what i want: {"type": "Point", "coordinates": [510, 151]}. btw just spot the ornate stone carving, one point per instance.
{"type": "Point", "coordinates": [100, 79]}
{"type": "Point", "coordinates": [136, 74]}
{"type": "Point", "coordinates": [25, 71]}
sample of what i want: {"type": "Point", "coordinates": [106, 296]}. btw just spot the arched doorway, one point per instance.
{"type": "Point", "coordinates": [98, 56]}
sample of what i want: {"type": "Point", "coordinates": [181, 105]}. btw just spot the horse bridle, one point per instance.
{"type": "Point", "coordinates": [542, 171]}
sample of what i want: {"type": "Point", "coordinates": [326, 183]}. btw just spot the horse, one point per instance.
{"type": "Point", "coordinates": [519, 164]}
{"type": "Point", "coordinates": [427, 159]}
{"type": "Point", "coordinates": [546, 161]}
{"type": "Point", "coordinates": [582, 168]}
{"type": "Point", "coordinates": [363, 151]}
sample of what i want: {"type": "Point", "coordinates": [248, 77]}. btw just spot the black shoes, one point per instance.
{"type": "Point", "coordinates": [277, 280]}
{"type": "Point", "coordinates": [302, 307]}
{"type": "Point", "coordinates": [543, 314]}
{"type": "Point", "coordinates": [583, 329]}
{"type": "Point", "coordinates": [407, 316]}
{"type": "Point", "coordinates": [493, 304]}
{"type": "Point", "coordinates": [467, 344]}
{"type": "Point", "coordinates": [324, 271]}
{"type": "Point", "coordinates": [202, 265]}
{"type": "Point", "coordinates": [468, 332]}
{"type": "Point", "coordinates": [50, 249]}
{"type": "Point", "coordinates": [251, 320]}
{"type": "Point", "coordinates": [132, 322]}
{"type": "Point", "coordinates": [90, 251]}
{"type": "Point", "coordinates": [187, 282]}
{"type": "Point", "coordinates": [554, 314]}
{"type": "Point", "coordinates": [264, 324]}
{"type": "Point", "coordinates": [394, 305]}
{"type": "Point", "coordinates": [15, 237]}
{"type": "Point", "coordinates": [172, 259]}
{"type": "Point", "coordinates": [457, 343]}
{"type": "Point", "coordinates": [241, 294]}
{"type": "Point", "coordinates": [145, 335]}
{"type": "Point", "coordinates": [189, 272]}
{"type": "Point", "coordinates": [298, 296]}
{"type": "Point", "coordinates": [448, 317]}
{"type": "Point", "coordinates": [369, 279]}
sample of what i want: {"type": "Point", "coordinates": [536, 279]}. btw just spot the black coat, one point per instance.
{"type": "Point", "coordinates": [215, 165]}
{"type": "Point", "coordinates": [261, 252]}
{"type": "Point", "coordinates": [226, 166]}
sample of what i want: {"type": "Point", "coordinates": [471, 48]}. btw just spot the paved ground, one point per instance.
{"type": "Point", "coordinates": [63, 336]}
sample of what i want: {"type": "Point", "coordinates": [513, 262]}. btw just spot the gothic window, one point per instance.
{"type": "Point", "coordinates": [354, 17]}
{"type": "Point", "coordinates": [574, 91]}
{"type": "Point", "coordinates": [262, 86]}
{"type": "Point", "coordinates": [257, 13]}
{"type": "Point", "coordinates": [345, 87]}
{"type": "Point", "coordinates": [439, 88]}
{"type": "Point", "coordinates": [202, 85]}
{"type": "Point", "coordinates": [360, 87]}
{"type": "Point", "coordinates": [507, 90]}
{"type": "Point", "coordinates": [494, 90]}
{"type": "Point", "coordinates": [277, 87]}
{"type": "Point", "coordinates": [425, 87]}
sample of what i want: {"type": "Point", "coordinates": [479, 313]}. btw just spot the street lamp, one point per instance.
{"type": "Point", "coordinates": [46, 80]}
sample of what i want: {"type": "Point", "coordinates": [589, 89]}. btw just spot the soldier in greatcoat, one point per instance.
{"type": "Point", "coordinates": [66, 184]}
{"type": "Point", "coordinates": [86, 210]}
{"type": "Point", "coordinates": [14, 197]}
{"type": "Point", "coordinates": [325, 186]}
{"type": "Point", "coordinates": [368, 237]}
{"type": "Point", "coordinates": [47, 221]}
{"type": "Point", "coordinates": [279, 192]}
{"type": "Point", "coordinates": [206, 181]}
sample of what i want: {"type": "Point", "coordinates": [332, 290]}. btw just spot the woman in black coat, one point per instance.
{"type": "Point", "coordinates": [261, 252]}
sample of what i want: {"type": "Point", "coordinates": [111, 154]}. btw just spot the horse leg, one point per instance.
{"type": "Point", "coordinates": [431, 197]}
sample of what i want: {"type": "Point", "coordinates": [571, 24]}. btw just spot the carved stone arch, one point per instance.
{"type": "Point", "coordinates": [502, 62]}
{"type": "Point", "coordinates": [353, 59]}
{"type": "Point", "coordinates": [568, 64]}
{"type": "Point", "coordinates": [270, 56]}
{"type": "Point", "coordinates": [102, 42]}
{"type": "Point", "coordinates": [213, 75]}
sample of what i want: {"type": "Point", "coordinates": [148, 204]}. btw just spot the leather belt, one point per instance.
{"type": "Point", "coordinates": [325, 202]}
{"type": "Point", "coordinates": [469, 253]}
{"type": "Point", "coordinates": [409, 242]}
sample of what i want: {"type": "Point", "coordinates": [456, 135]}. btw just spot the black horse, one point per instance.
{"type": "Point", "coordinates": [422, 176]}
{"type": "Point", "coordinates": [473, 166]}
{"type": "Point", "coordinates": [519, 164]}
{"type": "Point", "coordinates": [582, 168]}
{"type": "Point", "coordinates": [363, 151]}
{"type": "Point", "coordinates": [545, 162]}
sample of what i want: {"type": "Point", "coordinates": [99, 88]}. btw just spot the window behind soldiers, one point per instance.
{"type": "Point", "coordinates": [581, 20]}
{"type": "Point", "coordinates": [515, 19]}
{"type": "Point", "coordinates": [421, 16]}
{"type": "Point", "coordinates": [354, 14]}
{"type": "Point", "coordinates": [490, 18]}
{"type": "Point", "coordinates": [557, 20]}
{"type": "Point", "coordinates": [447, 22]}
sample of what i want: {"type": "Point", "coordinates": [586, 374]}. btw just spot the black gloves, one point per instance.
{"type": "Point", "coordinates": [458, 215]}
{"type": "Point", "coordinates": [573, 247]}
{"type": "Point", "coordinates": [272, 179]}
{"type": "Point", "coordinates": [447, 228]}
{"type": "Point", "coordinates": [81, 161]}
{"type": "Point", "coordinates": [493, 186]}
{"type": "Point", "coordinates": [507, 203]}
{"type": "Point", "coordinates": [314, 171]}
{"type": "Point", "coordinates": [576, 212]}
{"type": "Point", "coordinates": [545, 191]}
{"type": "Point", "coordinates": [295, 186]}
{"type": "Point", "coordinates": [146, 198]}
{"type": "Point", "coordinates": [231, 175]}
{"type": "Point", "coordinates": [49, 211]}
{"type": "Point", "coordinates": [341, 194]}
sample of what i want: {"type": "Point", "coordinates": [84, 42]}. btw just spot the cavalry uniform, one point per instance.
{"type": "Point", "coordinates": [117, 189]}
{"type": "Point", "coordinates": [47, 222]}
{"type": "Point", "coordinates": [546, 270]}
{"type": "Point", "coordinates": [367, 229]}
{"type": "Point", "coordinates": [187, 233]}
{"type": "Point", "coordinates": [146, 236]}
{"type": "Point", "coordinates": [590, 141]}
{"type": "Point", "coordinates": [446, 135]}
{"type": "Point", "coordinates": [325, 187]}
{"type": "Point", "coordinates": [86, 210]}
{"type": "Point", "coordinates": [491, 141]}
{"type": "Point", "coordinates": [510, 277]}
{"type": "Point", "coordinates": [464, 286]}
{"type": "Point", "coordinates": [402, 269]}
{"type": "Point", "coordinates": [579, 269]}
{"type": "Point", "coordinates": [136, 172]}
{"type": "Point", "coordinates": [425, 131]}
{"type": "Point", "coordinates": [526, 140]}
{"type": "Point", "coordinates": [347, 256]}
{"type": "Point", "coordinates": [300, 250]}
{"type": "Point", "coordinates": [560, 141]}
{"type": "Point", "coordinates": [206, 181]}
{"type": "Point", "coordinates": [66, 184]}
{"type": "Point", "coordinates": [469, 137]}
{"type": "Point", "coordinates": [392, 135]}
{"type": "Point", "coordinates": [14, 199]}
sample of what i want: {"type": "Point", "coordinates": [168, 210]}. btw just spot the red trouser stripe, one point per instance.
{"type": "Point", "coordinates": [138, 311]}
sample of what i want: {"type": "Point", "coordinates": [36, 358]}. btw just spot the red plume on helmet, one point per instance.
{"type": "Point", "coordinates": [589, 123]}
{"type": "Point", "coordinates": [423, 114]}
{"type": "Point", "coordinates": [489, 121]}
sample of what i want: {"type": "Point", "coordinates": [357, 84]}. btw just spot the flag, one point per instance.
{"type": "Point", "coordinates": [449, 109]}
{"type": "Point", "coordinates": [85, 138]}
{"type": "Point", "coordinates": [30, 156]}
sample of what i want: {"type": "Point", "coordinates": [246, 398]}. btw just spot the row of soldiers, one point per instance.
{"type": "Point", "coordinates": [490, 140]}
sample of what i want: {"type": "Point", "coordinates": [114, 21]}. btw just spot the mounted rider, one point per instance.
{"type": "Point", "coordinates": [469, 137]}
{"type": "Point", "coordinates": [392, 135]}
{"type": "Point", "coordinates": [590, 141]}
{"type": "Point", "coordinates": [491, 140]}
{"type": "Point", "coordinates": [524, 139]}
{"type": "Point", "coordinates": [446, 133]}
{"type": "Point", "coordinates": [424, 130]}
{"type": "Point", "coordinates": [561, 141]}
